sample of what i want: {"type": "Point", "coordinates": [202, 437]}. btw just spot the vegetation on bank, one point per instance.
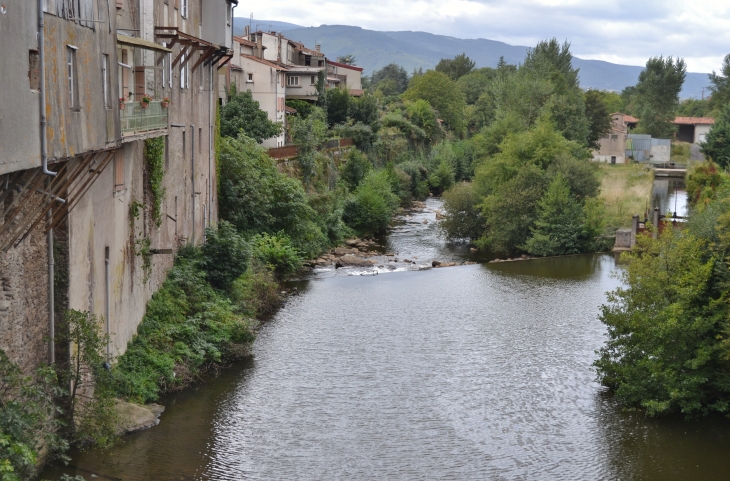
{"type": "Point", "coordinates": [668, 349]}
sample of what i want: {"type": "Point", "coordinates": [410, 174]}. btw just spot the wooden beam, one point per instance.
{"type": "Point", "coordinates": [209, 51]}
{"type": "Point", "coordinates": [180, 55]}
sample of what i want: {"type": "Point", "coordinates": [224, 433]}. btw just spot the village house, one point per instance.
{"type": "Point", "coordinates": [693, 129]}
{"type": "Point", "coordinates": [74, 176]}
{"type": "Point", "coordinates": [613, 145]}
{"type": "Point", "coordinates": [341, 75]}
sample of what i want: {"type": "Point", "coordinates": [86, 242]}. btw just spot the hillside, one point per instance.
{"type": "Point", "coordinates": [412, 50]}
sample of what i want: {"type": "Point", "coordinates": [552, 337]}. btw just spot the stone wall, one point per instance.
{"type": "Point", "coordinates": [24, 298]}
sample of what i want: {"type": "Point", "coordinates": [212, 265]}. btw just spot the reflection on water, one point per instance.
{"type": "Point", "coordinates": [479, 372]}
{"type": "Point", "coordinates": [670, 195]}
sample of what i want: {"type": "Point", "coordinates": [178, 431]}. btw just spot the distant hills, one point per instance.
{"type": "Point", "coordinates": [412, 50]}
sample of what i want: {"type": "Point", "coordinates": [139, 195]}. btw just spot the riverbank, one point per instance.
{"type": "Point", "coordinates": [626, 190]}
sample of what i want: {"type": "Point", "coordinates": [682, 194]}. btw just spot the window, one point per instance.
{"type": "Point", "coordinates": [250, 78]}
{"type": "Point", "coordinates": [292, 81]}
{"type": "Point", "coordinates": [313, 80]}
{"type": "Point", "coordinates": [105, 80]}
{"type": "Point", "coordinates": [184, 8]}
{"type": "Point", "coordinates": [73, 88]}
{"type": "Point", "coordinates": [614, 137]}
{"type": "Point", "coordinates": [320, 63]}
{"type": "Point", "coordinates": [184, 80]}
{"type": "Point", "coordinates": [119, 170]}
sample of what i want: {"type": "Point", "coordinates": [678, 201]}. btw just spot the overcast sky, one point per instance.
{"type": "Point", "coordinates": [620, 31]}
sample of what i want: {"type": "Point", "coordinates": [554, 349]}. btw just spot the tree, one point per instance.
{"type": "Point", "coordinates": [364, 109]}
{"type": "Point", "coordinates": [599, 118]}
{"type": "Point", "coordinates": [561, 72]}
{"type": "Point", "coordinates": [457, 67]}
{"type": "Point", "coordinates": [339, 102]}
{"type": "Point", "coordinates": [348, 59]}
{"type": "Point", "coordinates": [720, 85]}
{"type": "Point", "coordinates": [391, 72]}
{"type": "Point", "coordinates": [666, 329]}
{"type": "Point", "coordinates": [443, 95]}
{"type": "Point", "coordinates": [463, 217]}
{"type": "Point", "coordinates": [476, 83]}
{"type": "Point", "coordinates": [302, 107]}
{"type": "Point", "coordinates": [717, 143]}
{"type": "Point", "coordinates": [242, 112]}
{"type": "Point", "coordinates": [421, 114]}
{"type": "Point", "coordinates": [559, 229]}
{"type": "Point", "coordinates": [657, 95]}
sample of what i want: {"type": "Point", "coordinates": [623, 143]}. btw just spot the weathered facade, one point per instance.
{"type": "Point", "coordinates": [341, 75]}
{"type": "Point", "coordinates": [103, 61]}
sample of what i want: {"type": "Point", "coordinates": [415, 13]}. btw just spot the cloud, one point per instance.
{"type": "Point", "coordinates": [621, 31]}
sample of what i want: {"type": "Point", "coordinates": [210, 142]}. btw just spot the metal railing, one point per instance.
{"type": "Point", "coordinates": [136, 120]}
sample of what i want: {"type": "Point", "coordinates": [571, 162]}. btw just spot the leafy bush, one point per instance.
{"type": "Point", "coordinates": [356, 165]}
{"type": "Point", "coordinates": [256, 293]}
{"type": "Point", "coordinates": [28, 419]}
{"type": "Point", "coordinates": [225, 255]}
{"type": "Point", "coordinates": [702, 183]}
{"type": "Point", "coordinates": [188, 327]}
{"type": "Point", "coordinates": [464, 218]}
{"type": "Point", "coordinates": [277, 253]}
{"type": "Point", "coordinates": [242, 113]}
{"type": "Point", "coordinates": [371, 207]}
{"type": "Point", "coordinates": [442, 177]}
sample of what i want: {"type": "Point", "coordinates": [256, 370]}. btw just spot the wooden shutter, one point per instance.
{"type": "Point", "coordinates": [119, 170]}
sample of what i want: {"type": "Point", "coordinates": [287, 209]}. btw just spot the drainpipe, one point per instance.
{"type": "Point", "coordinates": [108, 305]}
{"type": "Point", "coordinates": [192, 143]}
{"type": "Point", "coordinates": [211, 131]}
{"type": "Point", "coordinates": [44, 167]}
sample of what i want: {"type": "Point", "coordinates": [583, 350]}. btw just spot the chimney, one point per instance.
{"type": "Point", "coordinates": [318, 47]}
{"type": "Point", "coordinates": [246, 31]}
{"type": "Point", "coordinates": [259, 46]}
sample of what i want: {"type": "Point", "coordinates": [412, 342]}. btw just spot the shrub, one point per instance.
{"type": "Point", "coordinates": [256, 292]}
{"type": "Point", "coordinates": [277, 253]}
{"type": "Point", "coordinates": [464, 218]}
{"type": "Point", "coordinates": [371, 207]}
{"type": "Point", "coordinates": [442, 177]}
{"type": "Point", "coordinates": [354, 169]}
{"type": "Point", "coordinates": [188, 328]}
{"type": "Point", "coordinates": [225, 255]}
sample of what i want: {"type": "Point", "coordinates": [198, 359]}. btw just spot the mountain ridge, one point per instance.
{"type": "Point", "coordinates": [375, 49]}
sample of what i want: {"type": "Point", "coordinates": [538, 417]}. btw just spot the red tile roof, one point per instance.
{"type": "Point", "coordinates": [628, 119]}
{"type": "Point", "coordinates": [245, 41]}
{"type": "Point", "coordinates": [694, 121]}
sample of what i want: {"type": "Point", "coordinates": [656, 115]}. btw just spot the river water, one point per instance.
{"type": "Point", "coordinates": [462, 373]}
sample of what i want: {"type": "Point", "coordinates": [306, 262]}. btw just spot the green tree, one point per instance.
{"type": "Point", "coordinates": [339, 103]}
{"type": "Point", "coordinates": [560, 61]}
{"type": "Point", "coordinates": [443, 94]}
{"type": "Point", "coordinates": [354, 168]}
{"type": "Point", "coordinates": [308, 134]}
{"type": "Point", "coordinates": [665, 329]}
{"type": "Point", "coordinates": [394, 73]}
{"type": "Point", "coordinates": [475, 83]}
{"type": "Point", "coordinates": [370, 208]}
{"type": "Point", "coordinates": [695, 108]}
{"type": "Point", "coordinates": [717, 143]}
{"type": "Point", "coordinates": [421, 114]}
{"type": "Point", "coordinates": [456, 67]}
{"type": "Point", "coordinates": [242, 112]}
{"type": "Point", "coordinates": [720, 85]}
{"type": "Point", "coordinates": [657, 95]}
{"type": "Point", "coordinates": [364, 109]}
{"type": "Point", "coordinates": [302, 107]}
{"type": "Point", "coordinates": [225, 255]}
{"type": "Point", "coordinates": [464, 218]}
{"type": "Point", "coordinates": [599, 118]}
{"type": "Point", "coordinates": [560, 227]}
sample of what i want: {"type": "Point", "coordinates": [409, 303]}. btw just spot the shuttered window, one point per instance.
{"type": "Point", "coordinates": [119, 170]}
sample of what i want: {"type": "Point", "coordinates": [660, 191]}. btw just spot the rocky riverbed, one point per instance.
{"type": "Point", "coordinates": [419, 223]}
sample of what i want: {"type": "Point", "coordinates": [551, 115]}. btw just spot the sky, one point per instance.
{"type": "Point", "coordinates": [619, 31]}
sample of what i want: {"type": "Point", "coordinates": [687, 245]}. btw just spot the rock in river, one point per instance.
{"type": "Point", "coordinates": [352, 261]}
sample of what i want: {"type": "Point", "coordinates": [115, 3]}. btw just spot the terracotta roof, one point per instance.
{"type": "Point", "coordinates": [309, 50]}
{"type": "Point", "coordinates": [244, 41]}
{"type": "Point", "coordinates": [627, 118]}
{"type": "Point", "coordinates": [357, 92]}
{"type": "Point", "coordinates": [694, 120]}
{"type": "Point", "coordinates": [344, 65]}
{"type": "Point", "coordinates": [290, 110]}
{"type": "Point", "coordinates": [265, 62]}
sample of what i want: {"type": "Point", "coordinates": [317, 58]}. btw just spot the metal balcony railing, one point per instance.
{"type": "Point", "coordinates": [136, 120]}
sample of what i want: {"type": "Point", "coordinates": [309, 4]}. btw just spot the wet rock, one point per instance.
{"type": "Point", "coordinates": [440, 215]}
{"type": "Point", "coordinates": [352, 261]}
{"type": "Point", "coordinates": [389, 254]}
{"type": "Point", "coordinates": [436, 264]}
{"type": "Point", "coordinates": [352, 242]}
{"type": "Point", "coordinates": [473, 250]}
{"type": "Point", "coordinates": [425, 221]}
{"type": "Point", "coordinates": [524, 256]}
{"type": "Point", "coordinates": [343, 251]}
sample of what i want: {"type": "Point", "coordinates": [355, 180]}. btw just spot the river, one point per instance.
{"type": "Point", "coordinates": [462, 373]}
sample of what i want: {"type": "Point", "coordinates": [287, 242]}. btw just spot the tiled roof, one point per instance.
{"type": "Point", "coordinates": [290, 110]}
{"type": "Point", "coordinates": [265, 62]}
{"type": "Point", "coordinates": [694, 121]}
{"type": "Point", "coordinates": [627, 118]}
{"type": "Point", "coordinates": [344, 65]}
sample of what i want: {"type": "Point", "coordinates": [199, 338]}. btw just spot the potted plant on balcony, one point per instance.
{"type": "Point", "coordinates": [165, 102]}
{"type": "Point", "coordinates": [122, 101]}
{"type": "Point", "coordinates": [145, 102]}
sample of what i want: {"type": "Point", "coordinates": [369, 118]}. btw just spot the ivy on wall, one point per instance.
{"type": "Point", "coordinates": [154, 156]}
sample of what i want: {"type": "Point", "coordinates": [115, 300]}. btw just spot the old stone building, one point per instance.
{"type": "Point", "coordinates": [109, 76]}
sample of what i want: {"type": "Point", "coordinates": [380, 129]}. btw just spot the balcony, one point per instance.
{"type": "Point", "coordinates": [135, 120]}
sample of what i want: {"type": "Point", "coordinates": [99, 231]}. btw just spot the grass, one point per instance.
{"type": "Point", "coordinates": [626, 191]}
